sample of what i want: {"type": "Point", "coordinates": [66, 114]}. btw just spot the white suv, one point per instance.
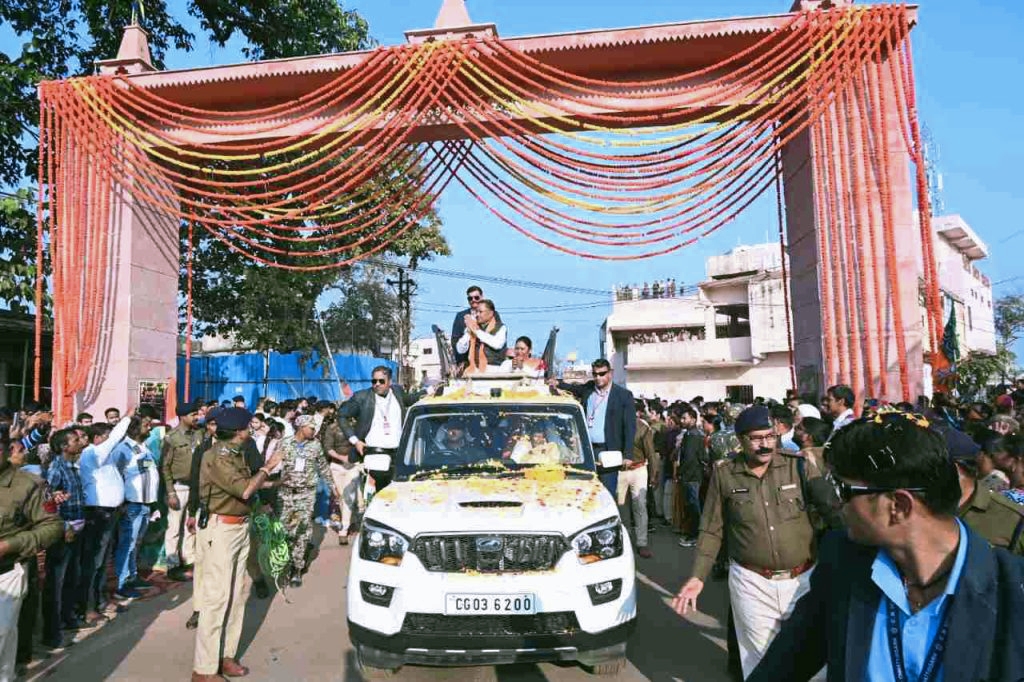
{"type": "Point", "coordinates": [495, 542]}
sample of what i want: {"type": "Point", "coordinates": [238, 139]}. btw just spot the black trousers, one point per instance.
{"type": "Point", "coordinates": [60, 587]}
{"type": "Point", "coordinates": [100, 524]}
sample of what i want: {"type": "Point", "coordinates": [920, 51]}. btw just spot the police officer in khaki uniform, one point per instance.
{"type": "Point", "coordinates": [225, 488]}
{"type": "Point", "coordinates": [25, 528]}
{"type": "Point", "coordinates": [756, 502]}
{"type": "Point", "coordinates": [175, 468]}
{"type": "Point", "coordinates": [989, 514]}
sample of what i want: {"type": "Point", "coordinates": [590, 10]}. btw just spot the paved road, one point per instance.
{"type": "Point", "coordinates": [306, 639]}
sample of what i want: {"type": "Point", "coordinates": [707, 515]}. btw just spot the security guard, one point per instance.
{"type": "Point", "coordinates": [175, 468]}
{"type": "Point", "coordinates": [25, 528]}
{"type": "Point", "coordinates": [225, 487]}
{"type": "Point", "coordinates": [756, 503]}
{"type": "Point", "coordinates": [989, 514]}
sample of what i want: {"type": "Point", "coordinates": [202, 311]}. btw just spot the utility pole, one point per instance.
{"type": "Point", "coordinates": [406, 288]}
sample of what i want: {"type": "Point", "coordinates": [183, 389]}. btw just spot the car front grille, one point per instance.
{"type": "Point", "coordinates": [489, 553]}
{"type": "Point", "coordinates": [556, 623]}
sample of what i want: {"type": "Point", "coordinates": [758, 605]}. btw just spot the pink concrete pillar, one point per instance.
{"type": "Point", "coordinates": [866, 338]}
{"type": "Point", "coordinates": [139, 334]}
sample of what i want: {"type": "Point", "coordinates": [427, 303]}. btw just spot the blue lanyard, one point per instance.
{"type": "Point", "coordinates": [933, 661]}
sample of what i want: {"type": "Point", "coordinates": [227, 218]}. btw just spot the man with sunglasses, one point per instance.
{"type": "Point", "coordinates": [911, 592]}
{"type": "Point", "coordinates": [611, 417]}
{"type": "Point", "coordinates": [379, 412]}
{"type": "Point", "coordinates": [474, 295]}
{"type": "Point", "coordinates": [756, 504]}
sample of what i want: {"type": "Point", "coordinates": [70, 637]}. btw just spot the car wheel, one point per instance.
{"type": "Point", "coordinates": [369, 672]}
{"type": "Point", "coordinates": [607, 668]}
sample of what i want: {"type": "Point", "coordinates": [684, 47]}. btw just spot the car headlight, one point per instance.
{"type": "Point", "coordinates": [382, 544]}
{"type": "Point", "coordinates": [600, 541]}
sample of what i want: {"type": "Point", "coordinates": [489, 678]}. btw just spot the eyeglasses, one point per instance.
{"type": "Point", "coordinates": [847, 491]}
{"type": "Point", "coordinates": [379, 381]}
{"type": "Point", "coordinates": [474, 298]}
{"type": "Point", "coordinates": [601, 374]}
{"type": "Point", "coordinates": [767, 438]}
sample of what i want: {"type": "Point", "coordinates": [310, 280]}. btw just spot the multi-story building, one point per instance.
{"type": "Point", "coordinates": [727, 335]}
{"type": "Point", "coordinates": [966, 290]}
{"type": "Point", "coordinates": [724, 338]}
{"type": "Point", "coordinates": [423, 357]}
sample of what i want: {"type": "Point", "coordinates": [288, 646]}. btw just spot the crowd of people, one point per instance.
{"type": "Point", "coordinates": [106, 509]}
{"type": "Point", "coordinates": [661, 288]}
{"type": "Point", "coordinates": [667, 336]}
{"type": "Point", "coordinates": [97, 505]}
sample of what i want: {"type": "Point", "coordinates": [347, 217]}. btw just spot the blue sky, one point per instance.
{"type": "Point", "coordinates": [965, 56]}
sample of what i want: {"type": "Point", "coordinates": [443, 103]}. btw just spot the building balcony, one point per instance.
{"type": "Point", "coordinates": [732, 352]}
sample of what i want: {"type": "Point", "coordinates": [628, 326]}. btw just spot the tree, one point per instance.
{"type": "Point", "coordinates": [368, 316]}
{"type": "Point", "coordinates": [262, 307]}
{"type": "Point", "coordinates": [981, 370]}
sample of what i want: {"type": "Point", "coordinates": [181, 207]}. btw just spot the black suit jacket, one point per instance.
{"type": "Point", "coordinates": [620, 417]}
{"type": "Point", "coordinates": [832, 624]}
{"type": "Point", "coordinates": [458, 329]}
{"type": "Point", "coordinates": [360, 408]}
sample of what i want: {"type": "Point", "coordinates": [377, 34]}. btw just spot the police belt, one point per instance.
{"type": "Point", "coordinates": [368, 450]}
{"type": "Point", "coordinates": [788, 574]}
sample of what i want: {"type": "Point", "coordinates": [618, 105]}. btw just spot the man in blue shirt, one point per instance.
{"type": "Point", "coordinates": [911, 594]}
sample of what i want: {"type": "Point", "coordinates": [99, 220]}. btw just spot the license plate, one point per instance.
{"type": "Point", "coordinates": [484, 604]}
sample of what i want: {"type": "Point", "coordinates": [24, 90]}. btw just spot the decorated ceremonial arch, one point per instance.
{"type": "Point", "coordinates": [613, 145]}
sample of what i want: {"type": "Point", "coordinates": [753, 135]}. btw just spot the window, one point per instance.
{"type": "Point", "coordinates": [970, 319]}
{"type": "Point", "coordinates": [740, 394]}
{"type": "Point", "coordinates": [428, 351]}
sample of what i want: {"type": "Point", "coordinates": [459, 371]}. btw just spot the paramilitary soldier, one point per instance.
{"type": "Point", "coordinates": [175, 469]}
{"type": "Point", "coordinates": [758, 503]}
{"type": "Point", "coordinates": [989, 514]}
{"type": "Point", "coordinates": [302, 465]}
{"type": "Point", "coordinates": [225, 487]}
{"type": "Point", "coordinates": [25, 528]}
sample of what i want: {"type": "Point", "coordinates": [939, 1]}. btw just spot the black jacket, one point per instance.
{"type": "Point", "coordinates": [620, 415]}
{"type": "Point", "coordinates": [833, 623]}
{"type": "Point", "coordinates": [458, 329]}
{"type": "Point", "coordinates": [360, 408]}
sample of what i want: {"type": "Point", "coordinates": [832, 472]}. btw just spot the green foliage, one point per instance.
{"type": "Point", "coordinates": [367, 318]}
{"type": "Point", "coordinates": [259, 306]}
{"type": "Point", "coordinates": [18, 253]}
{"type": "Point", "coordinates": [981, 370]}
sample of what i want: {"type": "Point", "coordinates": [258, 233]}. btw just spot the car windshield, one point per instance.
{"type": "Point", "coordinates": [489, 440]}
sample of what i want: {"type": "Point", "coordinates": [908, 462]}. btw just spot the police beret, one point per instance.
{"type": "Point", "coordinates": [234, 419]}
{"type": "Point", "coordinates": [186, 408]}
{"type": "Point", "coordinates": [960, 445]}
{"type": "Point", "coordinates": [214, 414]}
{"type": "Point", "coordinates": [754, 418]}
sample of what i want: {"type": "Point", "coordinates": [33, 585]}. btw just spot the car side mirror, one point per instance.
{"type": "Point", "coordinates": [378, 463]}
{"type": "Point", "coordinates": [610, 459]}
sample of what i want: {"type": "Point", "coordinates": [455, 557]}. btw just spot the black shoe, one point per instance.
{"type": "Point", "coordinates": [260, 589]}
{"type": "Point", "coordinates": [75, 623]}
{"type": "Point", "coordinates": [193, 621]}
{"type": "Point", "coordinates": [178, 575]}
{"type": "Point", "coordinates": [296, 581]}
{"type": "Point", "coordinates": [140, 584]}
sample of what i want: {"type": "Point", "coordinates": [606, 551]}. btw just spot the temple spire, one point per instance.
{"type": "Point", "coordinates": [453, 14]}
{"type": "Point", "coordinates": [133, 54]}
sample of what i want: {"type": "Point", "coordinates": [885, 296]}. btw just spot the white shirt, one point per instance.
{"type": "Point", "coordinates": [507, 368]}
{"type": "Point", "coordinates": [102, 484]}
{"type": "Point", "coordinates": [386, 427]}
{"type": "Point", "coordinates": [842, 420]}
{"type": "Point", "coordinates": [495, 340]}
{"type": "Point", "coordinates": [138, 467]}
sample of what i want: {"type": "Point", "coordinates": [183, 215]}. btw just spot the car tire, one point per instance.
{"type": "Point", "coordinates": [608, 668]}
{"type": "Point", "coordinates": [370, 673]}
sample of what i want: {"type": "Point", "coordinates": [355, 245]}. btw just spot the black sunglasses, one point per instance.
{"type": "Point", "coordinates": [474, 298]}
{"type": "Point", "coordinates": [600, 374]}
{"type": "Point", "coordinates": [847, 491]}
{"type": "Point", "coordinates": [379, 381]}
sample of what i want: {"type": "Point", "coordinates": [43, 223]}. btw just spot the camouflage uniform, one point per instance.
{"type": "Point", "coordinates": [301, 466]}
{"type": "Point", "coordinates": [722, 445]}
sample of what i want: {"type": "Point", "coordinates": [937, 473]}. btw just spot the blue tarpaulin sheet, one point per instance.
{"type": "Point", "coordinates": [279, 377]}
